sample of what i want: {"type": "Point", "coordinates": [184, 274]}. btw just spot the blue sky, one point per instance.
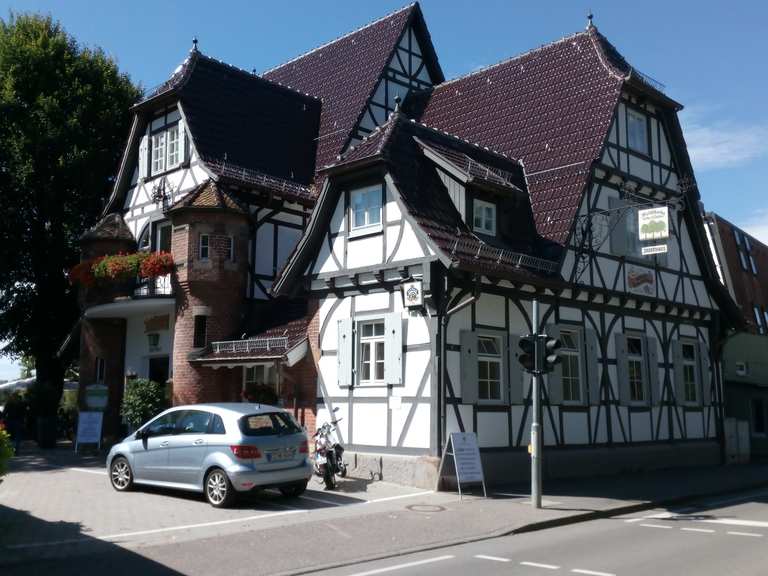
{"type": "Point", "coordinates": [710, 55]}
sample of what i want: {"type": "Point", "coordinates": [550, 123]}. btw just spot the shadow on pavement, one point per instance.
{"type": "Point", "coordinates": [34, 459]}
{"type": "Point", "coordinates": [30, 545]}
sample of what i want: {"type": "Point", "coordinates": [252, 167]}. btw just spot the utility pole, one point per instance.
{"type": "Point", "coordinates": [536, 420]}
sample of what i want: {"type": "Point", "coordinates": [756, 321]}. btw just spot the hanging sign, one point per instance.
{"type": "Point", "coordinates": [89, 428]}
{"type": "Point", "coordinates": [412, 294]}
{"type": "Point", "coordinates": [96, 396]}
{"type": "Point", "coordinates": [653, 223]}
{"type": "Point", "coordinates": [462, 447]}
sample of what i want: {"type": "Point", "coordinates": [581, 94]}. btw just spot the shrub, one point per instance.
{"type": "Point", "coordinates": [143, 400]}
{"type": "Point", "coordinates": [119, 266]}
{"type": "Point", "coordinates": [6, 449]}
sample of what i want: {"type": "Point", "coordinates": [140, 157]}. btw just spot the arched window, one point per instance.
{"type": "Point", "coordinates": [145, 240]}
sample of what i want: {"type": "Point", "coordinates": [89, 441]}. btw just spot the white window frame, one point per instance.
{"type": "Point", "coordinates": [173, 147]}
{"type": "Point", "coordinates": [570, 355]}
{"type": "Point", "coordinates": [373, 205]}
{"type": "Point", "coordinates": [229, 254]}
{"type": "Point", "coordinates": [690, 366]}
{"type": "Point", "coordinates": [486, 224]}
{"type": "Point", "coordinates": [488, 360]}
{"type": "Point", "coordinates": [642, 119]}
{"type": "Point", "coordinates": [376, 345]}
{"type": "Point", "coordinates": [157, 144]}
{"type": "Point", "coordinates": [639, 359]}
{"type": "Point", "coordinates": [204, 246]}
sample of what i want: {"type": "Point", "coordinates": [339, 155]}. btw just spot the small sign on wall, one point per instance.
{"type": "Point", "coordinates": [640, 281]}
{"type": "Point", "coordinates": [412, 294]}
{"type": "Point", "coordinates": [653, 223]}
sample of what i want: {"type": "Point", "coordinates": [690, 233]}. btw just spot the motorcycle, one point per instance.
{"type": "Point", "coordinates": [329, 453]}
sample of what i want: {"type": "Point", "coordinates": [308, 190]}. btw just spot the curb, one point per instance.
{"type": "Point", "coordinates": [532, 527]}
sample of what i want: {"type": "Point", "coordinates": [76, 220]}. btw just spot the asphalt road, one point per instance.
{"type": "Point", "coordinates": [720, 537]}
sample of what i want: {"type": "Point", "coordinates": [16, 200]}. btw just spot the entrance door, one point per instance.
{"type": "Point", "coordinates": [159, 369]}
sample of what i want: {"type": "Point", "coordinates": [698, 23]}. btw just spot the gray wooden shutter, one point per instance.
{"type": "Point", "coordinates": [182, 141]}
{"type": "Point", "coordinates": [468, 366]}
{"type": "Point", "coordinates": [653, 371]}
{"type": "Point", "coordinates": [344, 352]}
{"type": "Point", "coordinates": [555, 378]}
{"type": "Point", "coordinates": [705, 374]}
{"type": "Point", "coordinates": [516, 392]}
{"type": "Point", "coordinates": [644, 371]}
{"type": "Point", "coordinates": [618, 225]}
{"type": "Point", "coordinates": [393, 349]}
{"type": "Point", "coordinates": [677, 367]}
{"type": "Point", "coordinates": [504, 372]}
{"type": "Point", "coordinates": [622, 373]}
{"type": "Point", "coordinates": [592, 378]}
{"type": "Point", "coordinates": [143, 157]}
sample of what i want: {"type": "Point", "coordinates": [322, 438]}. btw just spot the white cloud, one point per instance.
{"type": "Point", "coordinates": [722, 144]}
{"type": "Point", "coordinates": [757, 225]}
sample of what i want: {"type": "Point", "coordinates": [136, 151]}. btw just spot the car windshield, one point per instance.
{"type": "Point", "coordinates": [269, 424]}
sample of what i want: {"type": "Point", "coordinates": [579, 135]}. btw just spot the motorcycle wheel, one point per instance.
{"type": "Point", "coordinates": [328, 479]}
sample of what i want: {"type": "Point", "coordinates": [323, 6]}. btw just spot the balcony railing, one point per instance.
{"type": "Point", "coordinates": [278, 343]}
{"type": "Point", "coordinates": [148, 287]}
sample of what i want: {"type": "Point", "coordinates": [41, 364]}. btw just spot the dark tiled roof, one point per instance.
{"type": "Point", "coordinates": [111, 227]}
{"type": "Point", "coordinates": [550, 108]}
{"type": "Point", "coordinates": [344, 73]}
{"type": "Point", "coordinates": [260, 181]}
{"type": "Point", "coordinates": [209, 196]}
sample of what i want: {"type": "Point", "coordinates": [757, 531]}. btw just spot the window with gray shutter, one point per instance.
{"type": "Point", "coordinates": [706, 375]}
{"type": "Point", "coordinates": [622, 375]}
{"type": "Point", "coordinates": [516, 392]}
{"type": "Point", "coordinates": [677, 367]}
{"type": "Point", "coordinates": [653, 371]}
{"type": "Point", "coordinates": [468, 366]}
{"type": "Point", "coordinates": [618, 226]}
{"type": "Point", "coordinates": [344, 352]}
{"type": "Point", "coordinates": [182, 142]}
{"type": "Point", "coordinates": [143, 158]}
{"type": "Point", "coordinates": [592, 368]}
{"type": "Point", "coordinates": [393, 349]}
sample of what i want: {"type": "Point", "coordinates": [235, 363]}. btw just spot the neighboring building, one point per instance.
{"type": "Point", "coordinates": [480, 193]}
{"type": "Point", "coordinates": [742, 265]}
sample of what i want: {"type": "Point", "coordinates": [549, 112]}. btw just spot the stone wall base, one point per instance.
{"type": "Point", "coordinates": [416, 471]}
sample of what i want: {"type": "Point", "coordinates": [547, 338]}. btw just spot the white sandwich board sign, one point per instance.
{"type": "Point", "coordinates": [462, 447]}
{"type": "Point", "coordinates": [89, 429]}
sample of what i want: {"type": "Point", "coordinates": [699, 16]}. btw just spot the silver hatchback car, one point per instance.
{"type": "Point", "coordinates": [218, 449]}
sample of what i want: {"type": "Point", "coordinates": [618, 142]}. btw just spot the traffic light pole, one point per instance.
{"type": "Point", "coordinates": [536, 419]}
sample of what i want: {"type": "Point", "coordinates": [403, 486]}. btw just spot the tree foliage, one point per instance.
{"type": "Point", "coordinates": [64, 116]}
{"type": "Point", "coordinates": [143, 399]}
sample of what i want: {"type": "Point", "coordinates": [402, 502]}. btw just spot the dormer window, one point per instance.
{"type": "Point", "coordinates": [637, 131]}
{"type": "Point", "coordinates": [365, 205]}
{"type": "Point", "coordinates": [166, 142]}
{"type": "Point", "coordinates": [484, 217]}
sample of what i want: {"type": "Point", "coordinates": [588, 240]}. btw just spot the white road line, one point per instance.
{"type": "Point", "coordinates": [591, 572]}
{"type": "Point", "coordinates": [400, 497]}
{"type": "Point", "coordinates": [702, 530]}
{"type": "Point", "coordinates": [401, 566]}
{"type": "Point", "coordinates": [660, 516]}
{"type": "Point", "coordinates": [736, 522]}
{"type": "Point", "coordinates": [321, 500]}
{"type": "Point", "coordinates": [86, 471]}
{"type": "Point", "coordinates": [110, 537]}
{"type": "Point", "coordinates": [537, 565]}
{"type": "Point", "coordinates": [492, 558]}
{"type": "Point", "coordinates": [657, 526]}
{"type": "Point", "coordinates": [752, 534]}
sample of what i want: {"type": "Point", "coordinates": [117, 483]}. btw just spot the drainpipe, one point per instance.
{"type": "Point", "coordinates": [442, 388]}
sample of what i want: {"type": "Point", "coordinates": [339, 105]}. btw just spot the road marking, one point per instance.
{"type": "Point", "coordinates": [322, 501]}
{"type": "Point", "coordinates": [537, 565]}
{"type": "Point", "coordinates": [400, 497]}
{"type": "Point", "coordinates": [401, 566]}
{"type": "Point", "coordinates": [492, 558]}
{"type": "Point", "coordinates": [657, 526]}
{"type": "Point", "coordinates": [591, 572]}
{"type": "Point", "coordinates": [660, 516]}
{"type": "Point", "coordinates": [735, 522]}
{"type": "Point", "coordinates": [110, 537]}
{"type": "Point", "coordinates": [702, 530]}
{"type": "Point", "coordinates": [752, 534]}
{"type": "Point", "coordinates": [86, 471]}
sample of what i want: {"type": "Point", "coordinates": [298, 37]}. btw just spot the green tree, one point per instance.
{"type": "Point", "coordinates": [64, 116]}
{"type": "Point", "coordinates": [27, 365]}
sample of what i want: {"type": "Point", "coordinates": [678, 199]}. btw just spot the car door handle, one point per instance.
{"type": "Point", "coordinates": [199, 441]}
{"type": "Point", "coordinates": [164, 443]}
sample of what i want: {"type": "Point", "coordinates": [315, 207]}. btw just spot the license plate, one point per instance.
{"type": "Point", "coordinates": [279, 455]}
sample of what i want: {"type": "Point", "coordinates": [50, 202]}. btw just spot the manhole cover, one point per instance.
{"type": "Point", "coordinates": [425, 508]}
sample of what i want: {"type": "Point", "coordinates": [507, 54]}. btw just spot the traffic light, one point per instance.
{"type": "Point", "coordinates": [551, 352]}
{"type": "Point", "coordinates": [527, 354]}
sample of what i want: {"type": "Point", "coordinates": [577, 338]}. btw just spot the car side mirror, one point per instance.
{"type": "Point", "coordinates": [141, 434]}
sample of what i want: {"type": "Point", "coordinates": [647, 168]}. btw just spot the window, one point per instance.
{"type": "Point", "coordinates": [690, 384]}
{"type": "Point", "coordinates": [200, 336]}
{"type": "Point", "coordinates": [569, 352]}
{"type": "Point", "coordinates": [260, 375]}
{"type": "Point", "coordinates": [635, 357]}
{"type": "Point", "coordinates": [270, 424]}
{"type": "Point", "coordinates": [100, 370]}
{"type": "Point", "coordinates": [371, 352]}
{"type": "Point", "coordinates": [172, 141]}
{"type": "Point", "coordinates": [163, 237]}
{"type": "Point", "coordinates": [484, 217]}
{"type": "Point", "coordinates": [158, 153]}
{"type": "Point", "coordinates": [217, 425]}
{"type": "Point", "coordinates": [193, 422]}
{"type": "Point", "coordinates": [229, 249]}
{"type": "Point", "coordinates": [366, 207]}
{"type": "Point", "coordinates": [758, 416]}
{"type": "Point", "coordinates": [744, 246]}
{"type": "Point", "coordinates": [153, 342]}
{"type": "Point", "coordinates": [637, 131]}
{"type": "Point", "coordinates": [164, 425]}
{"type": "Point", "coordinates": [488, 368]}
{"type": "Point", "coordinates": [205, 246]}
{"type": "Point", "coordinates": [166, 142]}
{"type": "Point", "coordinates": [758, 319]}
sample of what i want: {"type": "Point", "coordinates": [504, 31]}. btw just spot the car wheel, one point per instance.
{"type": "Point", "coordinates": [120, 474]}
{"type": "Point", "coordinates": [293, 490]}
{"type": "Point", "coordinates": [218, 489]}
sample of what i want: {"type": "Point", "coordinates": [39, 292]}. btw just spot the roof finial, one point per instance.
{"type": "Point", "coordinates": [194, 44]}
{"type": "Point", "coordinates": [590, 16]}
{"type": "Point", "coordinates": [253, 71]}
